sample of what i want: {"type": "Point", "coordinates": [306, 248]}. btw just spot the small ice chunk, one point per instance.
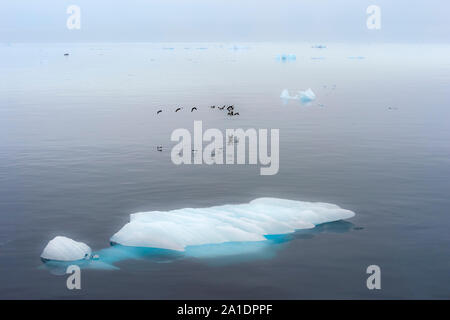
{"type": "Point", "coordinates": [286, 96]}
{"type": "Point", "coordinates": [66, 249]}
{"type": "Point", "coordinates": [287, 57]}
{"type": "Point", "coordinates": [307, 95]}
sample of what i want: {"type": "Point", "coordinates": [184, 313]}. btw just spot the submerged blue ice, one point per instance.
{"type": "Point", "coordinates": [252, 231]}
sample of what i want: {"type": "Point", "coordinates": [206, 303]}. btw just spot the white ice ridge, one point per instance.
{"type": "Point", "coordinates": [180, 228]}
{"type": "Point", "coordinates": [65, 249]}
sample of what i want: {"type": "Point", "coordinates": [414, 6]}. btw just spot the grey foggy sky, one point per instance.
{"type": "Point", "coordinates": [224, 20]}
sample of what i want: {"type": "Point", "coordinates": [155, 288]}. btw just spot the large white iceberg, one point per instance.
{"type": "Point", "coordinates": [65, 249]}
{"type": "Point", "coordinates": [178, 229]}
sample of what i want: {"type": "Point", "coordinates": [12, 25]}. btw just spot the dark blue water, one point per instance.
{"type": "Point", "coordinates": [78, 139]}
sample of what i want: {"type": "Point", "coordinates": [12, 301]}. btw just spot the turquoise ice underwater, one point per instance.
{"type": "Point", "coordinates": [202, 232]}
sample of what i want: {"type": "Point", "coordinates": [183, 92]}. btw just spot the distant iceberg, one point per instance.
{"type": "Point", "coordinates": [178, 229]}
{"type": "Point", "coordinates": [304, 96]}
{"type": "Point", "coordinates": [286, 57]}
{"type": "Point", "coordinates": [286, 96]}
{"type": "Point", "coordinates": [65, 249]}
{"type": "Point", "coordinates": [307, 95]}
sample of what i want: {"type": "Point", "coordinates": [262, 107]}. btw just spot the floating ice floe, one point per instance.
{"type": "Point", "coordinates": [178, 229]}
{"type": "Point", "coordinates": [286, 96]}
{"type": "Point", "coordinates": [307, 95]}
{"type": "Point", "coordinates": [65, 249]}
{"type": "Point", "coordinates": [286, 57]}
{"type": "Point", "coordinates": [304, 96]}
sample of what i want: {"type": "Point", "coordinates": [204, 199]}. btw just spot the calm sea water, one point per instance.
{"type": "Point", "coordinates": [78, 139]}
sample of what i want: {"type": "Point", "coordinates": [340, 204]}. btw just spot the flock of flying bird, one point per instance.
{"type": "Point", "coordinates": [230, 110]}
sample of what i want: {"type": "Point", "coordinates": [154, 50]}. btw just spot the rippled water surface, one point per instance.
{"type": "Point", "coordinates": [78, 138]}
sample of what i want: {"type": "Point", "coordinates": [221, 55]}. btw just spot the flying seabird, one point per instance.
{"type": "Point", "coordinates": [159, 111]}
{"type": "Point", "coordinates": [178, 109]}
{"type": "Point", "coordinates": [194, 108]}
